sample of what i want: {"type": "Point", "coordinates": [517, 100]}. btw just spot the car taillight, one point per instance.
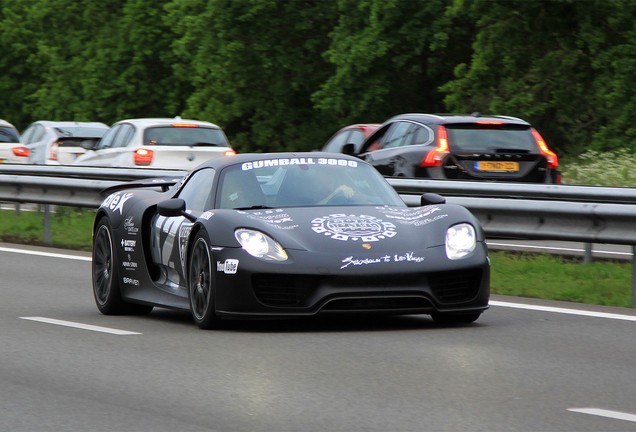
{"type": "Point", "coordinates": [143, 157]}
{"type": "Point", "coordinates": [550, 156]}
{"type": "Point", "coordinates": [436, 156]}
{"type": "Point", "coordinates": [53, 151]}
{"type": "Point", "coordinates": [230, 153]}
{"type": "Point", "coordinates": [184, 125]}
{"type": "Point", "coordinates": [21, 151]}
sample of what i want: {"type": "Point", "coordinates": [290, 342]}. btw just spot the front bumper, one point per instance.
{"type": "Point", "coordinates": [309, 283]}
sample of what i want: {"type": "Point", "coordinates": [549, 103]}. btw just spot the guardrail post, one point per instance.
{"type": "Point", "coordinates": [47, 225]}
{"type": "Point", "coordinates": [587, 258]}
{"type": "Point", "coordinates": [17, 209]}
{"type": "Point", "coordinates": [634, 276]}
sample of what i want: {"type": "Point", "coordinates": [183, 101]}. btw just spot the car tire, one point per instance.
{"type": "Point", "coordinates": [455, 318]}
{"type": "Point", "coordinates": [105, 277]}
{"type": "Point", "coordinates": [201, 286]}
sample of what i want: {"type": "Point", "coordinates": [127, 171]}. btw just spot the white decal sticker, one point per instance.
{"type": "Point", "coordinates": [407, 257]}
{"type": "Point", "coordinates": [116, 201]}
{"type": "Point", "coordinates": [207, 215]}
{"type": "Point", "coordinates": [130, 281]}
{"type": "Point", "coordinates": [415, 217]}
{"type": "Point", "coordinates": [230, 266]}
{"type": "Point", "coordinates": [351, 227]}
{"type": "Point", "coordinates": [298, 161]}
{"type": "Point", "coordinates": [130, 265]}
{"type": "Point", "coordinates": [130, 227]}
{"type": "Point", "coordinates": [184, 235]}
{"type": "Point", "coordinates": [275, 218]}
{"type": "Point", "coordinates": [129, 245]}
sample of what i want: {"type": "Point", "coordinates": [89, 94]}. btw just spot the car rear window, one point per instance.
{"type": "Point", "coordinates": [491, 138]}
{"type": "Point", "coordinates": [81, 132]}
{"type": "Point", "coordinates": [184, 136]}
{"type": "Point", "coordinates": [8, 135]}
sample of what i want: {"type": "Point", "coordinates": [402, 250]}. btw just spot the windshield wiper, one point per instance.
{"type": "Point", "coordinates": [254, 207]}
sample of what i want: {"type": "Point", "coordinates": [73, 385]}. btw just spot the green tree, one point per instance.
{"type": "Point", "coordinates": [391, 56]}
{"type": "Point", "coordinates": [20, 68]}
{"type": "Point", "coordinates": [560, 64]}
{"type": "Point", "coordinates": [109, 60]}
{"type": "Point", "coordinates": [254, 65]}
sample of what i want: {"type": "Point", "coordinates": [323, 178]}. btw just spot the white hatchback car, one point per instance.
{"type": "Point", "coordinates": [158, 143]}
{"type": "Point", "coordinates": [57, 142]}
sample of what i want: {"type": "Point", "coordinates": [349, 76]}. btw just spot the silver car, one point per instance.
{"type": "Point", "coordinates": [58, 143]}
{"type": "Point", "coordinates": [158, 143]}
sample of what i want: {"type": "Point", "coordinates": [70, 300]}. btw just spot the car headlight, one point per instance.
{"type": "Point", "coordinates": [260, 245]}
{"type": "Point", "coordinates": [460, 241]}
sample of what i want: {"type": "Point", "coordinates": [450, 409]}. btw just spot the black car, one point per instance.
{"type": "Point", "coordinates": [462, 147]}
{"type": "Point", "coordinates": [286, 235]}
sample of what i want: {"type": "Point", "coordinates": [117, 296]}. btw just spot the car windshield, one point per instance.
{"type": "Point", "coordinates": [81, 131]}
{"type": "Point", "coordinates": [184, 136]}
{"type": "Point", "coordinates": [8, 135]}
{"type": "Point", "coordinates": [490, 138]}
{"type": "Point", "coordinates": [304, 181]}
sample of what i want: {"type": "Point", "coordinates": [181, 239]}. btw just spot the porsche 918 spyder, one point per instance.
{"type": "Point", "coordinates": [286, 235]}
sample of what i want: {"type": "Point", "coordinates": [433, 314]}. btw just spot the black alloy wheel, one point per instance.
{"type": "Point", "coordinates": [105, 277]}
{"type": "Point", "coordinates": [201, 284]}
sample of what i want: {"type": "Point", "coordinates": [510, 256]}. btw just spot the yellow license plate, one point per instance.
{"type": "Point", "coordinates": [497, 166]}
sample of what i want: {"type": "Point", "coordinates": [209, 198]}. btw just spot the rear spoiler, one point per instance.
{"type": "Point", "coordinates": [163, 182]}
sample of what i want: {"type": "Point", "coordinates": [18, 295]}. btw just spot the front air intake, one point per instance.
{"type": "Point", "coordinates": [455, 286]}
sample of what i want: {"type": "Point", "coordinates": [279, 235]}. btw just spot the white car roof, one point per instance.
{"type": "Point", "coordinates": [47, 123]}
{"type": "Point", "coordinates": [5, 123]}
{"type": "Point", "coordinates": [149, 122]}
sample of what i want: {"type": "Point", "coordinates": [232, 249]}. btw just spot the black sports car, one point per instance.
{"type": "Point", "coordinates": [286, 235]}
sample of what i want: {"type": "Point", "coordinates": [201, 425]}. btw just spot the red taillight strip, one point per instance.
{"type": "Point", "coordinates": [21, 151]}
{"type": "Point", "coordinates": [143, 157]}
{"type": "Point", "coordinates": [230, 153]}
{"type": "Point", "coordinates": [184, 125]}
{"type": "Point", "coordinates": [551, 157]}
{"type": "Point", "coordinates": [435, 157]}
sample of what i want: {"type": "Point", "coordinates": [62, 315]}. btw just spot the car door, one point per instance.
{"type": "Point", "coordinates": [388, 158]}
{"type": "Point", "coordinates": [169, 235]}
{"type": "Point", "coordinates": [35, 141]}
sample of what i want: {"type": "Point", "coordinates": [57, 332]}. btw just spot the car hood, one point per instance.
{"type": "Point", "coordinates": [345, 229]}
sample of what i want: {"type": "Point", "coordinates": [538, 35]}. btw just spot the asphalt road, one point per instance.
{"type": "Point", "coordinates": [515, 369]}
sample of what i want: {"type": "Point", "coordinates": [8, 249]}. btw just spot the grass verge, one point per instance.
{"type": "Point", "coordinates": [515, 274]}
{"type": "Point", "coordinates": [558, 278]}
{"type": "Point", "coordinates": [70, 227]}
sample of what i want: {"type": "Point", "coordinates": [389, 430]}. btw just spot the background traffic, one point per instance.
{"type": "Point", "coordinates": [560, 65]}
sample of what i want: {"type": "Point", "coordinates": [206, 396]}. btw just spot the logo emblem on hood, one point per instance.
{"type": "Point", "coordinates": [351, 227]}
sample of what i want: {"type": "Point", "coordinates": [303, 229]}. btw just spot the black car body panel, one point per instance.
{"type": "Point", "coordinates": [372, 256]}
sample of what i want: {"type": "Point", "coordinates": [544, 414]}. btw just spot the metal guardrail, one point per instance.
{"type": "Point", "coordinates": [586, 214]}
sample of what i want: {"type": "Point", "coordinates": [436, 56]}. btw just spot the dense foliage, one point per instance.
{"type": "Point", "coordinates": [286, 74]}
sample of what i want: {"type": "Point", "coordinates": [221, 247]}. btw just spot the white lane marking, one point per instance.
{"type": "Point", "coordinates": [548, 248]}
{"type": "Point", "coordinates": [605, 413]}
{"type": "Point", "coordinates": [46, 254]}
{"type": "Point", "coordinates": [80, 326]}
{"type": "Point", "coordinates": [564, 311]}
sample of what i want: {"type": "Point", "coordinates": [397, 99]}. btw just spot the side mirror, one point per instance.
{"type": "Point", "coordinates": [349, 149]}
{"type": "Point", "coordinates": [174, 207]}
{"type": "Point", "coordinates": [430, 198]}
